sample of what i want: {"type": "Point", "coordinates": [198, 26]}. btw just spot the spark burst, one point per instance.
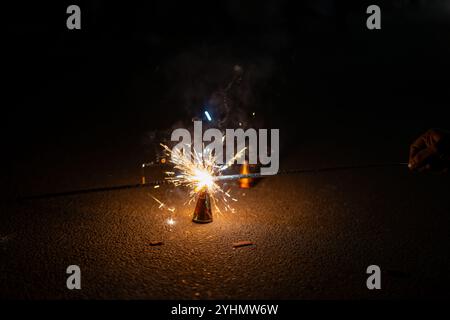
{"type": "Point", "coordinates": [199, 173]}
{"type": "Point", "coordinates": [162, 205]}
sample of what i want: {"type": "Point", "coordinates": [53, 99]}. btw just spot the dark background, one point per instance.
{"type": "Point", "coordinates": [79, 108]}
{"type": "Point", "coordinates": [137, 67]}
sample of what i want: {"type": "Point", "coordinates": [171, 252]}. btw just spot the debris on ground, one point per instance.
{"type": "Point", "coordinates": [156, 243]}
{"type": "Point", "coordinates": [243, 244]}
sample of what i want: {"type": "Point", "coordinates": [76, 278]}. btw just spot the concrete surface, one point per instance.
{"type": "Point", "coordinates": [314, 235]}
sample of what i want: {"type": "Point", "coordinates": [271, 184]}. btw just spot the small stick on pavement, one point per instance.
{"type": "Point", "coordinates": [156, 243]}
{"type": "Point", "coordinates": [243, 244]}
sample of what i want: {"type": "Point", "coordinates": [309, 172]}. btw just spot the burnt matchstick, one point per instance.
{"type": "Point", "coordinates": [217, 178]}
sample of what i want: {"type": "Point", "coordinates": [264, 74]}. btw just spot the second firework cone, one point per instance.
{"type": "Point", "coordinates": [245, 182]}
{"type": "Point", "coordinates": [203, 212]}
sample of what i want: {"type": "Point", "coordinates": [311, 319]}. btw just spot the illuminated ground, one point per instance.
{"type": "Point", "coordinates": [83, 108]}
{"type": "Point", "coordinates": [315, 236]}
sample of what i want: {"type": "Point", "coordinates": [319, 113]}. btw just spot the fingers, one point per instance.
{"type": "Point", "coordinates": [421, 159]}
{"type": "Point", "coordinates": [417, 146]}
{"type": "Point", "coordinates": [423, 150]}
{"type": "Point", "coordinates": [424, 168]}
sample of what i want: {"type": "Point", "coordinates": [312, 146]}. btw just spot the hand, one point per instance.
{"type": "Point", "coordinates": [431, 151]}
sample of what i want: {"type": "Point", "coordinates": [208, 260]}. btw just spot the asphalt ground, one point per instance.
{"type": "Point", "coordinates": [314, 236]}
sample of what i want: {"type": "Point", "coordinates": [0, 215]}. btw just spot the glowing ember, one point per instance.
{"type": "Point", "coordinates": [208, 116]}
{"type": "Point", "coordinates": [245, 182]}
{"type": "Point", "coordinates": [200, 173]}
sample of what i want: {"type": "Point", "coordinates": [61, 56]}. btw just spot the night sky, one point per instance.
{"type": "Point", "coordinates": [316, 66]}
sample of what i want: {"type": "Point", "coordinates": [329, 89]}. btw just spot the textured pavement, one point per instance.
{"type": "Point", "coordinates": [314, 235]}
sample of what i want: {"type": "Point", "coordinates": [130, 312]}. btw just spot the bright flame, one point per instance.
{"type": "Point", "coordinates": [170, 221]}
{"type": "Point", "coordinates": [203, 179]}
{"type": "Point", "coordinates": [200, 173]}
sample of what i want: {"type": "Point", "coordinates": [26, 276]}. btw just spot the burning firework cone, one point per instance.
{"type": "Point", "coordinates": [203, 212]}
{"type": "Point", "coordinates": [245, 183]}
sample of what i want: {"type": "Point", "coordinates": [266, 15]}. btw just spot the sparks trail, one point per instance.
{"type": "Point", "coordinates": [162, 205]}
{"type": "Point", "coordinates": [218, 178]}
{"type": "Point", "coordinates": [199, 173]}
